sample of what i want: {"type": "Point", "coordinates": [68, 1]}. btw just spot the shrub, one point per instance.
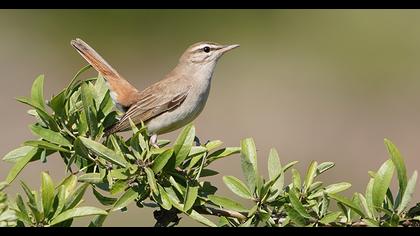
{"type": "Point", "coordinates": [122, 171]}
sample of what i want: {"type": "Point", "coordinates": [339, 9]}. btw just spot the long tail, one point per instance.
{"type": "Point", "coordinates": [122, 92]}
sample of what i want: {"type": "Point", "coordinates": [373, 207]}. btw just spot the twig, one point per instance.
{"type": "Point", "coordinates": [221, 212]}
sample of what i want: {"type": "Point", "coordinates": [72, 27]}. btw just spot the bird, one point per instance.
{"type": "Point", "coordinates": [168, 104]}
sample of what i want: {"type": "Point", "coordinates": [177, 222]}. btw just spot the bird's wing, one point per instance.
{"type": "Point", "coordinates": [154, 100]}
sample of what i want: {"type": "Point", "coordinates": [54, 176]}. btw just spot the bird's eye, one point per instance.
{"type": "Point", "coordinates": [206, 49]}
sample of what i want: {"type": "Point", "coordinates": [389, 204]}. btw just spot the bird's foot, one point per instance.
{"type": "Point", "coordinates": [153, 141]}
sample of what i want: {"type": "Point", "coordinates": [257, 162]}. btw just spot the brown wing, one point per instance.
{"type": "Point", "coordinates": [126, 94]}
{"type": "Point", "coordinates": [154, 100]}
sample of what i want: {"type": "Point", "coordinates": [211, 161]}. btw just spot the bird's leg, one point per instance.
{"type": "Point", "coordinates": [153, 141]}
{"type": "Point", "coordinates": [197, 141]}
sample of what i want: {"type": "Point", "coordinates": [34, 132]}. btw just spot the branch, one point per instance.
{"type": "Point", "coordinates": [221, 212]}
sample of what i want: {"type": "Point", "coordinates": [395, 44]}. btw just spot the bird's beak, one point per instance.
{"type": "Point", "coordinates": [229, 47]}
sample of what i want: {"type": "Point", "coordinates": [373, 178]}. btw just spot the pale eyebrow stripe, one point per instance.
{"type": "Point", "coordinates": [199, 47]}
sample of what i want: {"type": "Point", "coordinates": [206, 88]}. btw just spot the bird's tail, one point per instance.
{"type": "Point", "coordinates": [123, 93]}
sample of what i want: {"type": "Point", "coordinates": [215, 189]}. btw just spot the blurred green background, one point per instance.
{"type": "Point", "coordinates": [325, 85]}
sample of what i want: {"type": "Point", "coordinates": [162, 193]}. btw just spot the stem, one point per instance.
{"type": "Point", "coordinates": [221, 212]}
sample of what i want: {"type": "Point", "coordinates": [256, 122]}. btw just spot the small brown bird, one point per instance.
{"type": "Point", "coordinates": [166, 105]}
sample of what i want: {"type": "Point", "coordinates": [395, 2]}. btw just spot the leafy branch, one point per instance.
{"type": "Point", "coordinates": [171, 178]}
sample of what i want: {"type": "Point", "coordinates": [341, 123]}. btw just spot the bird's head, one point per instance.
{"type": "Point", "coordinates": [205, 53]}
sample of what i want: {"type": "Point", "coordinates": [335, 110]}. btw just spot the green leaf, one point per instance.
{"type": "Point", "coordinates": [133, 126]}
{"type": "Point", "coordinates": [18, 167]}
{"type": "Point", "coordinates": [47, 192]}
{"type": "Point", "coordinates": [296, 179]}
{"type": "Point", "coordinates": [46, 118]}
{"type": "Point", "coordinates": [221, 153]}
{"type": "Point", "coordinates": [92, 178]}
{"type": "Point", "coordinates": [184, 143]}
{"type": "Point", "coordinates": [295, 216]}
{"type": "Point", "coordinates": [101, 89]}
{"type": "Point", "coordinates": [338, 187]}
{"type": "Point", "coordinates": [177, 186]}
{"type": "Point", "coordinates": [161, 160]}
{"type": "Point", "coordinates": [81, 151]}
{"type": "Point", "coordinates": [36, 213]}
{"type": "Point", "coordinates": [46, 145]}
{"type": "Point", "coordinates": [16, 154]}
{"type": "Point", "coordinates": [333, 188]}
{"type": "Point", "coordinates": [315, 186]}
{"type": "Point", "coordinates": [21, 205]}
{"type": "Point", "coordinates": [196, 151]}
{"type": "Point", "coordinates": [324, 166]}
{"type": "Point", "coordinates": [347, 202]}
{"type": "Point", "coordinates": [82, 126]}
{"type": "Point", "coordinates": [223, 221]}
{"type": "Point", "coordinates": [75, 197]}
{"type": "Point", "coordinates": [365, 205]}
{"type": "Point", "coordinates": [37, 92]}
{"type": "Point", "coordinates": [118, 186]}
{"type": "Point", "coordinates": [198, 217]}
{"type": "Point", "coordinates": [58, 104]}
{"type": "Point", "coordinates": [248, 222]}
{"type": "Point", "coordinates": [325, 203]}
{"type": "Point", "coordinates": [191, 195]}
{"type": "Point", "coordinates": [253, 210]}
{"type": "Point", "coordinates": [49, 135]}
{"type": "Point", "coordinates": [249, 163]}
{"type": "Point", "coordinates": [69, 184]}
{"type": "Point", "coordinates": [369, 196]}
{"type": "Point", "coordinates": [98, 221]}
{"type": "Point", "coordinates": [265, 189]}
{"type": "Point", "coordinates": [310, 175]}
{"type": "Point", "coordinates": [237, 187]}
{"type": "Point", "coordinates": [194, 160]}
{"type": "Point", "coordinates": [119, 173]}
{"type": "Point", "coordinates": [163, 199]}
{"type": "Point", "coordinates": [356, 201]}
{"type": "Point", "coordinates": [381, 183]}
{"type": "Point", "coordinates": [88, 94]}
{"type": "Point", "coordinates": [72, 83]}
{"type": "Point", "coordinates": [330, 217]}
{"type": "Point", "coordinates": [77, 212]}
{"type": "Point", "coordinates": [28, 192]}
{"type": "Point", "coordinates": [408, 193]}
{"type": "Point", "coordinates": [208, 172]}
{"type": "Point", "coordinates": [103, 151]}
{"type": "Point", "coordinates": [297, 205]}
{"type": "Point", "coordinates": [289, 165]}
{"type": "Point", "coordinates": [151, 180]}
{"type": "Point", "coordinates": [371, 222]}
{"type": "Point", "coordinates": [128, 197]}
{"type": "Point", "coordinates": [274, 168]}
{"type": "Point", "coordinates": [106, 201]}
{"type": "Point", "coordinates": [23, 217]}
{"type": "Point", "coordinates": [61, 199]}
{"type": "Point", "coordinates": [398, 161]}
{"type": "Point", "coordinates": [213, 144]}
{"type": "Point", "coordinates": [226, 203]}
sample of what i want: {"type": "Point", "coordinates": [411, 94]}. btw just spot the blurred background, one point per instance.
{"type": "Point", "coordinates": [325, 85]}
